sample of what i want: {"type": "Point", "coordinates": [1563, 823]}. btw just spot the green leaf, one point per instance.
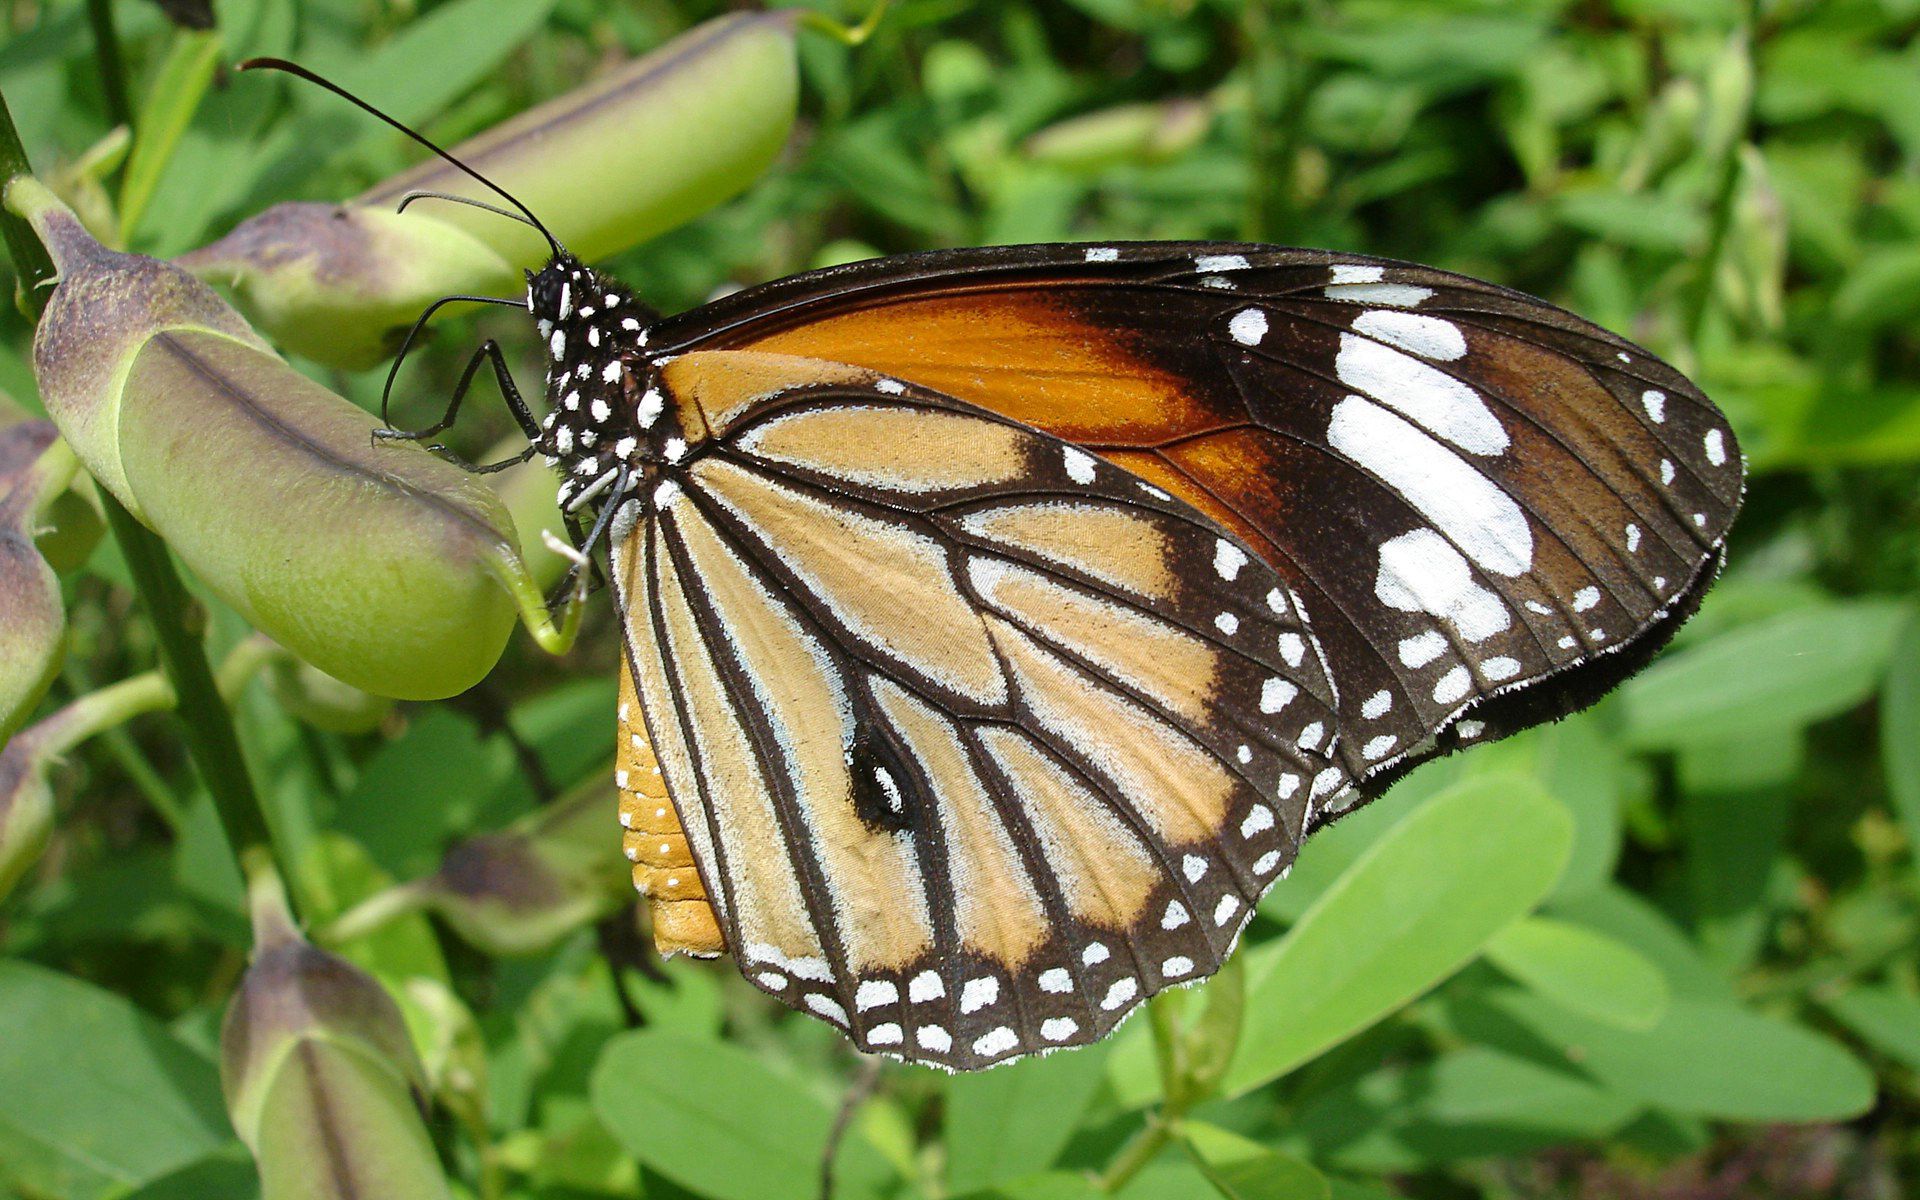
{"type": "Point", "coordinates": [174, 97]}
{"type": "Point", "coordinates": [1414, 909]}
{"type": "Point", "coordinates": [96, 1089]}
{"type": "Point", "coordinates": [1781, 673]}
{"type": "Point", "coordinates": [716, 1120]}
{"type": "Point", "coordinates": [1052, 1185]}
{"type": "Point", "coordinates": [1704, 1059]}
{"type": "Point", "coordinates": [1014, 1120]}
{"type": "Point", "coordinates": [1589, 972]}
{"type": "Point", "coordinates": [1240, 1169]}
{"type": "Point", "coordinates": [1900, 735]}
{"type": "Point", "coordinates": [1632, 919]}
{"type": "Point", "coordinates": [1467, 1104]}
{"type": "Point", "coordinates": [1885, 1019]}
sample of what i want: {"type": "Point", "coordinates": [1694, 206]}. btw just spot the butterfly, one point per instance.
{"type": "Point", "coordinates": [999, 622]}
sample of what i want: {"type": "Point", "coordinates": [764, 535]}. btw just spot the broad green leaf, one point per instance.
{"type": "Point", "coordinates": [1589, 972]}
{"type": "Point", "coordinates": [1631, 919]}
{"type": "Point", "coordinates": [1704, 1059]}
{"type": "Point", "coordinates": [1900, 734]}
{"type": "Point", "coordinates": [1467, 1104]}
{"type": "Point", "coordinates": [95, 1088]}
{"type": "Point", "coordinates": [1414, 909]}
{"type": "Point", "coordinates": [718, 1121]}
{"type": "Point", "coordinates": [1241, 1169]}
{"type": "Point", "coordinates": [1788, 671]}
{"type": "Point", "coordinates": [1885, 1019]}
{"type": "Point", "coordinates": [1014, 1120]}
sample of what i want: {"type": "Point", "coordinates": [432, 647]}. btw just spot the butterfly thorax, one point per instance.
{"type": "Point", "coordinates": [602, 413]}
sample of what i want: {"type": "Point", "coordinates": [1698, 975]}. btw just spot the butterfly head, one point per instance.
{"type": "Point", "coordinates": [595, 334]}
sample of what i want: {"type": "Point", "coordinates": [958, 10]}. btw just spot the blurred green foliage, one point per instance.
{"type": "Point", "coordinates": [1722, 861]}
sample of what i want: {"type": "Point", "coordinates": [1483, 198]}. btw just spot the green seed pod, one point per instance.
{"type": "Point", "coordinates": [320, 1077]}
{"type": "Point", "coordinates": [520, 890]}
{"type": "Point", "coordinates": [385, 567]}
{"type": "Point", "coordinates": [716, 105]}
{"type": "Point", "coordinates": [34, 468]}
{"type": "Point", "coordinates": [1126, 133]}
{"type": "Point", "coordinates": [338, 283]}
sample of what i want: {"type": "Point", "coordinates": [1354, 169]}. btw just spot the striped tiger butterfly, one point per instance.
{"type": "Point", "coordinates": [999, 622]}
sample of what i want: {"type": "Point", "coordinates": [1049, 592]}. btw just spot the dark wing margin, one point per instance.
{"type": "Point", "coordinates": [978, 740]}
{"type": "Point", "coordinates": [1490, 509]}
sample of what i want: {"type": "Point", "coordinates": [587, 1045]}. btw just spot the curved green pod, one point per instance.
{"type": "Point", "coordinates": [377, 562]}
{"type": "Point", "coordinates": [320, 1076]}
{"type": "Point", "coordinates": [605, 167]}
{"type": "Point", "coordinates": [34, 468]}
{"type": "Point", "coordinates": [336, 283]}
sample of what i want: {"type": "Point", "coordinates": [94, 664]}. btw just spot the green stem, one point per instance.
{"type": "Point", "coordinates": [146, 777]}
{"type": "Point", "coordinates": [1147, 1144]}
{"type": "Point", "coordinates": [113, 70]}
{"type": "Point", "coordinates": [30, 260]}
{"type": "Point", "coordinates": [97, 712]}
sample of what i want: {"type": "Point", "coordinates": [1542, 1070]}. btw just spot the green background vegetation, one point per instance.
{"type": "Point", "coordinates": [1718, 990]}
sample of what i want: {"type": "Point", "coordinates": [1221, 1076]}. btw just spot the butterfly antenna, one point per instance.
{"type": "Point", "coordinates": [281, 64]}
{"type": "Point", "coordinates": [469, 201]}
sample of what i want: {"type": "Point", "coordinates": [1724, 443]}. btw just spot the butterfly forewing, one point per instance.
{"type": "Point", "coordinates": [1485, 506]}
{"type": "Point", "coordinates": [979, 740]}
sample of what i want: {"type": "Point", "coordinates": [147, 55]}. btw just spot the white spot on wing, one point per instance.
{"type": "Point", "coordinates": [1056, 980]}
{"type": "Point", "coordinates": [977, 994]}
{"type": "Point", "coordinates": [1220, 262]}
{"type": "Point", "coordinates": [1656, 404]}
{"type": "Point", "coordinates": [1175, 916]}
{"type": "Point", "coordinates": [1716, 444]}
{"type": "Point", "coordinates": [1177, 966]}
{"type": "Point", "coordinates": [1102, 254]}
{"type": "Point", "coordinates": [1466, 506]}
{"type": "Point", "coordinates": [1422, 648]}
{"type": "Point", "coordinates": [1377, 705]}
{"type": "Point", "coordinates": [872, 993]}
{"type": "Point", "coordinates": [1429, 337]}
{"type": "Point", "coordinates": [1120, 993]}
{"type": "Point", "coordinates": [925, 987]}
{"type": "Point", "coordinates": [995, 1041]}
{"type": "Point", "coordinates": [1059, 1029]}
{"type": "Point", "coordinates": [1079, 465]}
{"type": "Point", "coordinates": [1275, 694]}
{"type": "Point", "coordinates": [1248, 326]}
{"type": "Point", "coordinates": [1438, 402]}
{"type": "Point", "coordinates": [1228, 559]}
{"type": "Point", "coordinates": [1259, 820]}
{"type": "Point", "coordinates": [1421, 572]}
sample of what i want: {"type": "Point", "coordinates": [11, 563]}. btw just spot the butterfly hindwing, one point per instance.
{"type": "Point", "coordinates": [1489, 508]}
{"type": "Point", "coordinates": [978, 740]}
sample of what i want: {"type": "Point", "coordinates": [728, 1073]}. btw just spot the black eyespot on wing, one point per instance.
{"type": "Point", "coordinates": [884, 792]}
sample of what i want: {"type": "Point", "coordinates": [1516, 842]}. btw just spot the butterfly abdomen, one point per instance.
{"type": "Point", "coordinates": [663, 871]}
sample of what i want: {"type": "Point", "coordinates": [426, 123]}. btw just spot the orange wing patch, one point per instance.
{"type": "Point", "coordinates": [1019, 353]}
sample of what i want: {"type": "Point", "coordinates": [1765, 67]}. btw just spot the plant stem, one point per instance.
{"type": "Point", "coordinates": [30, 259]}
{"type": "Point", "coordinates": [1146, 1145]}
{"type": "Point", "coordinates": [113, 70]}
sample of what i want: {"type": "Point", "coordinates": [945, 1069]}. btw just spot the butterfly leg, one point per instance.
{"type": "Point", "coordinates": [489, 350]}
